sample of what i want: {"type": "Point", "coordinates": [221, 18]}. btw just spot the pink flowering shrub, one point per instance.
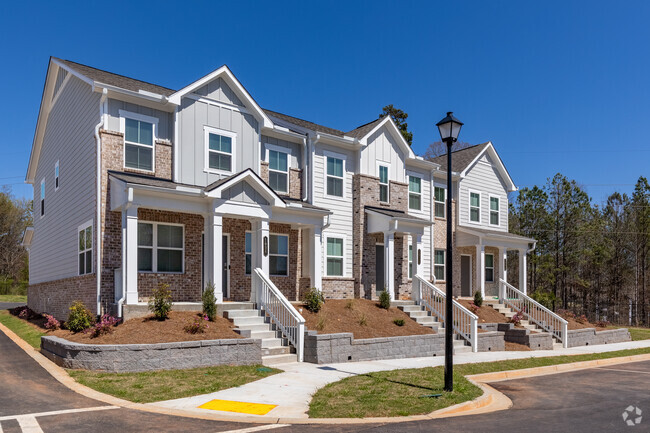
{"type": "Point", "coordinates": [52, 324]}
{"type": "Point", "coordinates": [198, 326]}
{"type": "Point", "coordinates": [517, 318]}
{"type": "Point", "coordinates": [603, 323]}
{"type": "Point", "coordinates": [474, 308]}
{"type": "Point", "coordinates": [566, 314]}
{"type": "Point", "coordinates": [582, 319]}
{"type": "Point", "coordinates": [25, 313]}
{"type": "Point", "coordinates": [105, 326]}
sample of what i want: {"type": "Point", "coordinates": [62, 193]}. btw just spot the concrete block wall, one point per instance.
{"type": "Point", "coordinates": [589, 336]}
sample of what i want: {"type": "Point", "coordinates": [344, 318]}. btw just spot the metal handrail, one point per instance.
{"type": "Point", "coordinates": [535, 312]}
{"type": "Point", "coordinates": [465, 323]}
{"type": "Point", "coordinates": [281, 312]}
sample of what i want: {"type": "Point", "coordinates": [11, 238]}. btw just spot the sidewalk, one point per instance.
{"type": "Point", "coordinates": [292, 390]}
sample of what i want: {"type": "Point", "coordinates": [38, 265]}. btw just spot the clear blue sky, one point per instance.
{"type": "Point", "coordinates": [557, 86]}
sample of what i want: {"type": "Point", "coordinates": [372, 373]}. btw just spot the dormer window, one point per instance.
{"type": "Point", "coordinates": [139, 140]}
{"type": "Point", "coordinates": [220, 147]}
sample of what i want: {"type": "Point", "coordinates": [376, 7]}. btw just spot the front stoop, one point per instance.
{"type": "Point", "coordinates": [507, 312]}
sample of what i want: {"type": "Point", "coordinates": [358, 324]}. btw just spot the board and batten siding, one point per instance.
{"type": "Point", "coordinates": [165, 129]}
{"type": "Point", "coordinates": [383, 147]}
{"type": "Point", "coordinates": [294, 149]}
{"type": "Point", "coordinates": [424, 213]}
{"type": "Point", "coordinates": [484, 178]}
{"type": "Point", "coordinates": [69, 138]}
{"type": "Point", "coordinates": [341, 219]}
{"type": "Point", "coordinates": [219, 91]}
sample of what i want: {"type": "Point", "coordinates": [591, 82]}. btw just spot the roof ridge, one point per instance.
{"type": "Point", "coordinates": [366, 124]}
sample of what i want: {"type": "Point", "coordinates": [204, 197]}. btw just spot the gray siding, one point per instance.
{"type": "Point", "coordinates": [485, 179]}
{"type": "Point", "coordinates": [165, 120]}
{"type": "Point", "coordinates": [69, 138]}
{"type": "Point", "coordinates": [383, 147]}
{"type": "Point", "coordinates": [294, 149]}
{"type": "Point", "coordinates": [244, 193]}
{"type": "Point", "coordinates": [219, 91]}
{"type": "Point", "coordinates": [59, 81]}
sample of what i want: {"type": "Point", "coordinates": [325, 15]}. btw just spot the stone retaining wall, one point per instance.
{"type": "Point", "coordinates": [589, 336]}
{"type": "Point", "coordinates": [123, 358]}
{"type": "Point", "coordinates": [329, 348]}
{"type": "Point", "coordinates": [534, 340]}
{"type": "Point", "coordinates": [491, 341]}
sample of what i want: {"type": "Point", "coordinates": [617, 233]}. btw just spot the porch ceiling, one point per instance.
{"type": "Point", "coordinates": [467, 237]}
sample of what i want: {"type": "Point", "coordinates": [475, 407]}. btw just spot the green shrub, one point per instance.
{"type": "Point", "coordinates": [79, 318]}
{"type": "Point", "coordinates": [160, 303]}
{"type": "Point", "coordinates": [209, 302]}
{"type": "Point", "coordinates": [478, 299]}
{"type": "Point", "coordinates": [314, 300]}
{"type": "Point", "coordinates": [399, 322]}
{"type": "Point", "coordinates": [384, 300]}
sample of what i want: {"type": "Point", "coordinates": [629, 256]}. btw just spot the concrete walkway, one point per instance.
{"type": "Point", "coordinates": [292, 390]}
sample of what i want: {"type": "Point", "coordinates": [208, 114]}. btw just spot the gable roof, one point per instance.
{"type": "Point", "coordinates": [363, 130]}
{"type": "Point", "coordinates": [461, 159]}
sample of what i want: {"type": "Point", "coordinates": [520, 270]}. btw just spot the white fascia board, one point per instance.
{"type": "Point", "coordinates": [157, 103]}
{"type": "Point", "coordinates": [82, 77]}
{"type": "Point", "coordinates": [506, 236]}
{"type": "Point", "coordinates": [302, 217]}
{"type": "Point", "coordinates": [256, 182]}
{"type": "Point", "coordinates": [395, 132]}
{"type": "Point", "coordinates": [500, 166]}
{"type": "Point", "coordinates": [423, 163]}
{"type": "Point", "coordinates": [334, 140]}
{"type": "Point", "coordinates": [27, 237]}
{"type": "Point", "coordinates": [285, 134]}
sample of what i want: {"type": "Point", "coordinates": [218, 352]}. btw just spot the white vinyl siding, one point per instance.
{"type": "Point", "coordinates": [160, 247]}
{"type": "Point", "coordinates": [383, 147]}
{"type": "Point", "coordinates": [56, 176]}
{"type": "Point", "coordinates": [42, 198]}
{"type": "Point", "coordinates": [279, 255]}
{"type": "Point", "coordinates": [85, 252]}
{"type": "Point", "coordinates": [335, 258]}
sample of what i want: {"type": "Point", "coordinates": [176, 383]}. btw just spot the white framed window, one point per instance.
{"type": "Point", "coordinates": [415, 193]}
{"type": "Point", "coordinates": [279, 163]}
{"type": "Point", "coordinates": [43, 197]}
{"type": "Point", "coordinates": [334, 257]}
{"type": "Point", "coordinates": [439, 264]}
{"type": "Point", "coordinates": [161, 247]}
{"type": "Point", "coordinates": [248, 252]}
{"type": "Point", "coordinates": [220, 148]}
{"type": "Point", "coordinates": [56, 176]}
{"type": "Point", "coordinates": [279, 255]}
{"type": "Point", "coordinates": [85, 247]}
{"type": "Point", "coordinates": [439, 197]}
{"type": "Point", "coordinates": [474, 207]}
{"type": "Point", "coordinates": [494, 210]}
{"type": "Point", "coordinates": [383, 174]}
{"type": "Point", "coordinates": [139, 140]}
{"type": "Point", "coordinates": [334, 174]}
{"type": "Point", "coordinates": [489, 268]}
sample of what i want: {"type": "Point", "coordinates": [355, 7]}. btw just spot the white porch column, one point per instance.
{"type": "Point", "coordinates": [316, 258]}
{"type": "Point", "coordinates": [216, 264]}
{"type": "Point", "coordinates": [389, 264]}
{"type": "Point", "coordinates": [131, 260]}
{"type": "Point", "coordinates": [480, 270]}
{"type": "Point", "coordinates": [522, 271]}
{"type": "Point", "coordinates": [416, 265]}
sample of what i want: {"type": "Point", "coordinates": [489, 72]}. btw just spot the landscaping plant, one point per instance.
{"type": "Point", "coordinates": [582, 319]}
{"type": "Point", "coordinates": [473, 307]}
{"type": "Point", "coordinates": [160, 303]}
{"type": "Point", "coordinates": [363, 320]}
{"type": "Point", "coordinates": [105, 325]}
{"type": "Point", "coordinates": [79, 318]}
{"type": "Point", "coordinates": [209, 302]}
{"type": "Point", "coordinates": [517, 318]}
{"type": "Point", "coordinates": [350, 304]}
{"type": "Point", "coordinates": [384, 300]}
{"type": "Point", "coordinates": [198, 326]}
{"type": "Point", "coordinates": [322, 321]}
{"type": "Point", "coordinates": [399, 322]}
{"type": "Point", "coordinates": [314, 300]}
{"type": "Point", "coordinates": [52, 324]}
{"type": "Point", "coordinates": [478, 299]}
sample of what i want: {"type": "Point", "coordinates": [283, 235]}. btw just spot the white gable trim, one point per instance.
{"type": "Point", "coordinates": [255, 181]}
{"type": "Point", "coordinates": [230, 79]}
{"type": "Point", "coordinates": [499, 164]}
{"type": "Point", "coordinates": [395, 132]}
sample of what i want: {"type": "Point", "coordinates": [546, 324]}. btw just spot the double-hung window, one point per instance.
{"type": "Point", "coordinates": [85, 249]}
{"type": "Point", "coordinates": [334, 257]}
{"type": "Point", "coordinates": [279, 255]}
{"type": "Point", "coordinates": [334, 176]}
{"type": "Point", "coordinates": [383, 183]}
{"type": "Point", "coordinates": [439, 194]}
{"type": "Point", "coordinates": [160, 247]}
{"type": "Point", "coordinates": [43, 197]}
{"type": "Point", "coordinates": [279, 171]}
{"type": "Point", "coordinates": [248, 251]}
{"type": "Point", "coordinates": [439, 264]}
{"type": "Point", "coordinates": [415, 193]}
{"type": "Point", "coordinates": [138, 143]}
{"type": "Point", "coordinates": [56, 176]}
{"type": "Point", "coordinates": [220, 145]}
{"type": "Point", "coordinates": [475, 207]}
{"type": "Point", "coordinates": [489, 268]}
{"type": "Point", "coordinates": [494, 211]}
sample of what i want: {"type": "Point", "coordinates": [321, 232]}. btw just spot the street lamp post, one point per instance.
{"type": "Point", "coordinates": [449, 127]}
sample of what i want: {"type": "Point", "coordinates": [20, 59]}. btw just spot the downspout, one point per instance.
{"type": "Point", "coordinates": [98, 225]}
{"type": "Point", "coordinates": [305, 149]}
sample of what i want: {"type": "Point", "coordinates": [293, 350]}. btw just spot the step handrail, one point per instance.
{"type": "Point", "coordinates": [465, 323]}
{"type": "Point", "coordinates": [535, 312]}
{"type": "Point", "coordinates": [281, 312]}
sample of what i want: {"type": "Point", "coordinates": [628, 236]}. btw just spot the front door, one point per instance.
{"type": "Point", "coordinates": [465, 275]}
{"type": "Point", "coordinates": [379, 268]}
{"type": "Point", "coordinates": [225, 259]}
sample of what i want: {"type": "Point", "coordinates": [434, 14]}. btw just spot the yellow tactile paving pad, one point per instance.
{"type": "Point", "coordinates": [239, 406]}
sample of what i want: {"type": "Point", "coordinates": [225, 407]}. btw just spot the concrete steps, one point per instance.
{"type": "Point", "coordinates": [506, 311]}
{"type": "Point", "coordinates": [417, 313]}
{"type": "Point", "coordinates": [271, 360]}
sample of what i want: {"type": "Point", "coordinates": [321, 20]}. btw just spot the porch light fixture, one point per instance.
{"type": "Point", "coordinates": [449, 128]}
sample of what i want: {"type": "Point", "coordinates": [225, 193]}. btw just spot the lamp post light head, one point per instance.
{"type": "Point", "coordinates": [449, 128]}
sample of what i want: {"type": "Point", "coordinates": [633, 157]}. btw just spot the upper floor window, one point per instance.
{"type": "Point", "coordinates": [439, 264]}
{"type": "Point", "coordinates": [279, 171]}
{"type": "Point", "coordinates": [85, 251]}
{"type": "Point", "coordinates": [439, 194]}
{"type": "Point", "coordinates": [43, 197]}
{"type": "Point", "coordinates": [56, 176]}
{"type": "Point", "coordinates": [334, 176]}
{"type": "Point", "coordinates": [279, 255]}
{"type": "Point", "coordinates": [335, 256]}
{"type": "Point", "coordinates": [494, 211]}
{"type": "Point", "coordinates": [138, 144]}
{"type": "Point", "coordinates": [489, 268]}
{"type": "Point", "coordinates": [415, 193]}
{"type": "Point", "coordinates": [160, 247]}
{"type": "Point", "coordinates": [475, 207]}
{"type": "Point", "coordinates": [248, 252]}
{"type": "Point", "coordinates": [383, 183]}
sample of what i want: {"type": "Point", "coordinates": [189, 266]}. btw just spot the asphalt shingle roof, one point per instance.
{"type": "Point", "coordinates": [460, 158]}
{"type": "Point", "coordinates": [305, 123]}
{"type": "Point", "coordinates": [394, 213]}
{"type": "Point", "coordinates": [362, 130]}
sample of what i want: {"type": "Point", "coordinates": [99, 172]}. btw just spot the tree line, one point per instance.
{"type": "Point", "coordinates": [15, 216]}
{"type": "Point", "coordinates": [590, 259]}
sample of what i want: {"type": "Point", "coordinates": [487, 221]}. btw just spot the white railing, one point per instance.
{"type": "Point", "coordinates": [534, 311]}
{"type": "Point", "coordinates": [281, 312]}
{"type": "Point", "coordinates": [433, 299]}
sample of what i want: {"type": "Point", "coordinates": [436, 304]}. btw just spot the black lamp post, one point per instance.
{"type": "Point", "coordinates": [449, 127]}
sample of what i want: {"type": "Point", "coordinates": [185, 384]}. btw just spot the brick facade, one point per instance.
{"type": "Point", "coordinates": [338, 288]}
{"type": "Point", "coordinates": [295, 180]}
{"type": "Point", "coordinates": [55, 297]}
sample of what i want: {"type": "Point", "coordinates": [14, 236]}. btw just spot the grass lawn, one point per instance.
{"type": "Point", "coordinates": [399, 392]}
{"type": "Point", "coordinates": [23, 329]}
{"type": "Point", "coordinates": [639, 333]}
{"type": "Point", "coordinates": [13, 298]}
{"type": "Point", "coordinates": [153, 386]}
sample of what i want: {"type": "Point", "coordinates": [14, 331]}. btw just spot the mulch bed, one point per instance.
{"type": "Point", "coordinates": [516, 347]}
{"type": "Point", "coordinates": [341, 315]}
{"type": "Point", "coordinates": [486, 314]}
{"type": "Point", "coordinates": [575, 324]}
